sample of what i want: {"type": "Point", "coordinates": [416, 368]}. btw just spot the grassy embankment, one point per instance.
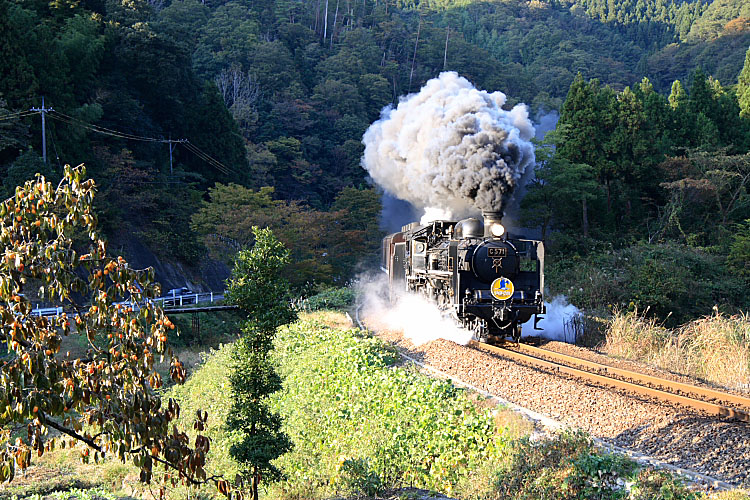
{"type": "Point", "coordinates": [363, 425]}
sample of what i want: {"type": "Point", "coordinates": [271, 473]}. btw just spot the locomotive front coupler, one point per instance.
{"type": "Point", "coordinates": [500, 312]}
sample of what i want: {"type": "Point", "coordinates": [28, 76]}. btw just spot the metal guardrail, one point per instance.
{"type": "Point", "coordinates": [46, 311]}
{"type": "Point", "coordinates": [189, 299]}
{"type": "Point", "coordinates": [166, 302]}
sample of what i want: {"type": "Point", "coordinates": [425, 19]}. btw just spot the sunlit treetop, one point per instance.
{"type": "Point", "coordinates": [105, 398]}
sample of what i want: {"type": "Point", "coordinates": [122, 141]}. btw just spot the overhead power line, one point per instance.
{"type": "Point", "coordinates": [206, 157]}
{"type": "Point", "coordinates": [70, 120]}
{"type": "Point", "coordinates": [108, 131]}
{"type": "Point", "coordinates": [125, 135]}
{"type": "Point", "coordinates": [19, 114]}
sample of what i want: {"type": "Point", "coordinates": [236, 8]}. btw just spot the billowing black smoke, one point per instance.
{"type": "Point", "coordinates": [450, 150]}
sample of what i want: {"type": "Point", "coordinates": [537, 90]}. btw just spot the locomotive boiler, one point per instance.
{"type": "Point", "coordinates": [487, 280]}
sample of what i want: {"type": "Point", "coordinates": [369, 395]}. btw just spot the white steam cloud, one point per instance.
{"type": "Point", "coordinates": [560, 322]}
{"type": "Point", "coordinates": [450, 150]}
{"type": "Point", "coordinates": [413, 315]}
{"type": "Point", "coordinates": [421, 321]}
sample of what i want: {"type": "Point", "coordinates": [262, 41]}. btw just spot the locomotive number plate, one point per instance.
{"type": "Point", "coordinates": [497, 252]}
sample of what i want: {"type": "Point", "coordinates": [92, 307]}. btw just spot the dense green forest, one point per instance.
{"type": "Point", "coordinates": [267, 102]}
{"type": "Point", "coordinates": [649, 196]}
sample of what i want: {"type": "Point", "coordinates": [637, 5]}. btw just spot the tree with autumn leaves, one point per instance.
{"type": "Point", "coordinates": [325, 246]}
{"type": "Point", "coordinates": [105, 399]}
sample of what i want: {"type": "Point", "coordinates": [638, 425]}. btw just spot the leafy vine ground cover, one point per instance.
{"type": "Point", "coordinates": [363, 424]}
{"type": "Point", "coordinates": [371, 427]}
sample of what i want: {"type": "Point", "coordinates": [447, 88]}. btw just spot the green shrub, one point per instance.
{"type": "Point", "coordinates": [357, 423]}
{"type": "Point", "coordinates": [599, 476]}
{"type": "Point", "coordinates": [358, 476]}
{"type": "Point", "coordinates": [739, 253]}
{"type": "Point", "coordinates": [569, 467]}
{"type": "Point", "coordinates": [539, 469]}
{"type": "Point", "coordinates": [591, 283]}
{"type": "Point", "coordinates": [674, 283]}
{"type": "Point", "coordinates": [329, 298]}
{"type": "Point", "coordinates": [652, 484]}
{"type": "Point", "coordinates": [680, 283]}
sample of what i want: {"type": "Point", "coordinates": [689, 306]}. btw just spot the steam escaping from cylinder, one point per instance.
{"type": "Point", "coordinates": [411, 314]}
{"type": "Point", "coordinates": [421, 321]}
{"type": "Point", "coordinates": [450, 150]}
{"type": "Point", "coordinates": [561, 322]}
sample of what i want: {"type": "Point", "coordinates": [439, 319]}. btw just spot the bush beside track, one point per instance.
{"type": "Point", "coordinates": [715, 348]}
{"type": "Point", "coordinates": [362, 425]}
{"type": "Point", "coordinates": [674, 283]}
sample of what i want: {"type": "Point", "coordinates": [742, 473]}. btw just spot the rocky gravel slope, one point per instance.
{"type": "Point", "coordinates": [670, 433]}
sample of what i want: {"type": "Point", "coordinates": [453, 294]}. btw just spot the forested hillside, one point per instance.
{"type": "Point", "coordinates": [649, 195]}
{"type": "Point", "coordinates": [276, 95]}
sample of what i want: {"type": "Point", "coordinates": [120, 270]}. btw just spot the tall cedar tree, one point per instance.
{"type": "Point", "coordinates": [259, 288]}
{"type": "Point", "coordinates": [743, 88]}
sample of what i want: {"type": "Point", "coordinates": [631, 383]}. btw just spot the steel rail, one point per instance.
{"type": "Point", "coordinates": [640, 378]}
{"type": "Point", "coordinates": [710, 408]}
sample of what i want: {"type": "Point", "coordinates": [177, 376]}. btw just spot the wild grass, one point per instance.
{"type": "Point", "coordinates": [715, 348]}
{"type": "Point", "coordinates": [732, 495]}
{"type": "Point", "coordinates": [208, 389]}
{"type": "Point", "coordinates": [59, 474]}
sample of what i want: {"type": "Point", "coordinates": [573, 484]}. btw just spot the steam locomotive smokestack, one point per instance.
{"type": "Point", "coordinates": [450, 150]}
{"type": "Point", "coordinates": [489, 219]}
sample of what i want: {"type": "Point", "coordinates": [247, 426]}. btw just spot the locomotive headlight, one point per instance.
{"type": "Point", "coordinates": [497, 230]}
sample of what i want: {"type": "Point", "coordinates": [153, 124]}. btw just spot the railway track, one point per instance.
{"type": "Point", "coordinates": [710, 451]}
{"type": "Point", "coordinates": [710, 401]}
{"type": "Point", "coordinates": [713, 402]}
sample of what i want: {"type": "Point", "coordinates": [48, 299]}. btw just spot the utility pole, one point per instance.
{"type": "Point", "coordinates": [445, 53]}
{"type": "Point", "coordinates": [171, 148]}
{"type": "Point", "coordinates": [416, 44]}
{"type": "Point", "coordinates": [42, 111]}
{"type": "Point", "coordinates": [172, 145]}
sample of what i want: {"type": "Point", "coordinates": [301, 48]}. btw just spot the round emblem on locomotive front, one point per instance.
{"type": "Point", "coordinates": [502, 289]}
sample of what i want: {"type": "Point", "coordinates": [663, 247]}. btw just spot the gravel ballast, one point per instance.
{"type": "Point", "coordinates": [670, 433]}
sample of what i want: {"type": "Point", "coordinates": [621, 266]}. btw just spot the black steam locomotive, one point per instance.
{"type": "Point", "coordinates": [489, 281]}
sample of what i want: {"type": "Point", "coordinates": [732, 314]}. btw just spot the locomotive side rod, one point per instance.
{"type": "Point", "coordinates": [710, 408]}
